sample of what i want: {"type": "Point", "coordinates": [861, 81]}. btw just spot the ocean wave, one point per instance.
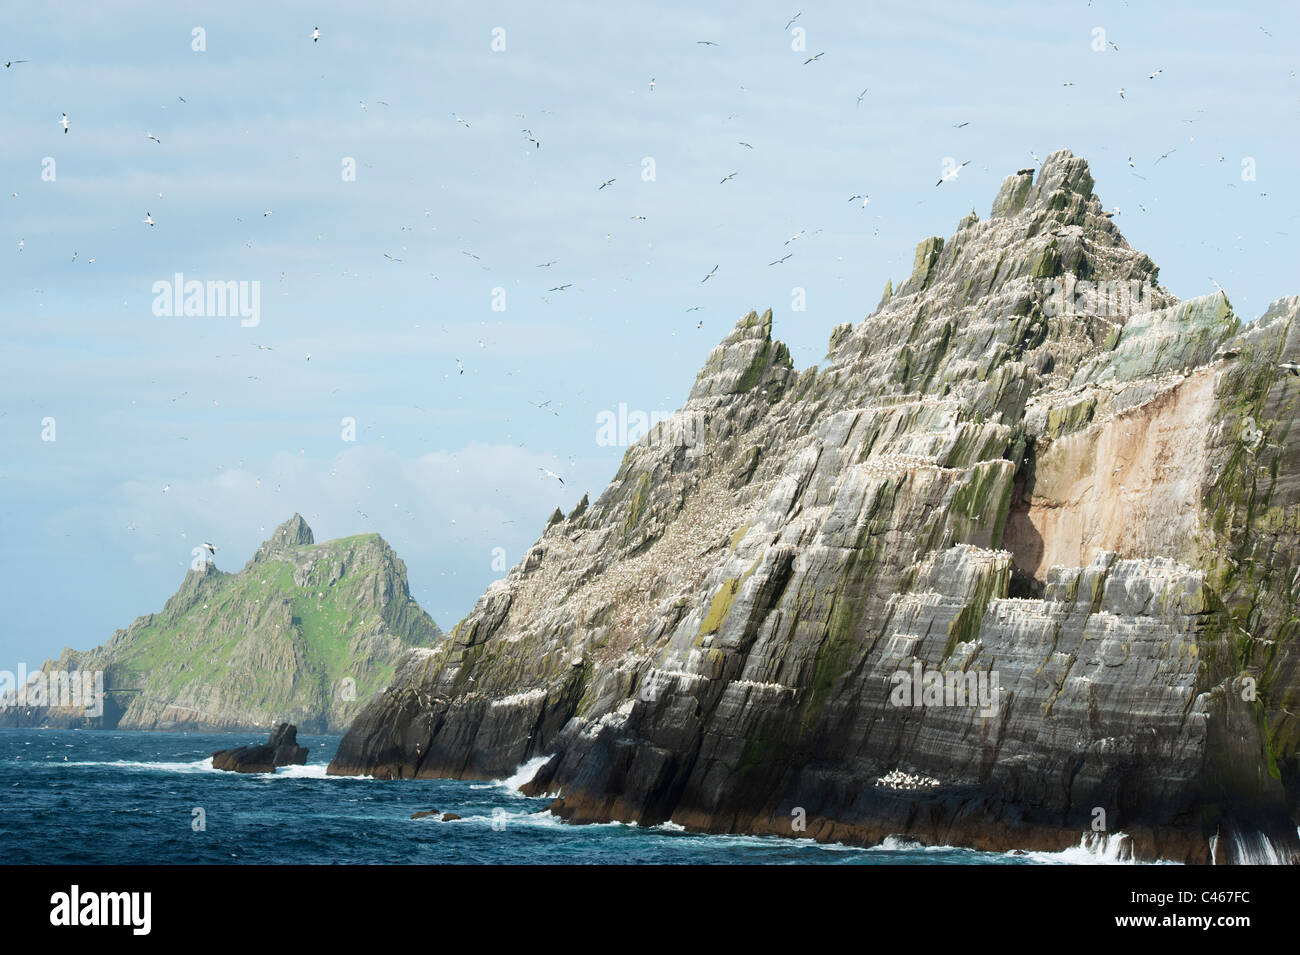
{"type": "Point", "coordinates": [740, 840]}
{"type": "Point", "coordinates": [311, 771]}
{"type": "Point", "coordinates": [202, 766]}
{"type": "Point", "coordinates": [669, 826]}
{"type": "Point", "coordinates": [897, 843]}
{"type": "Point", "coordinates": [523, 774]}
{"type": "Point", "coordinates": [505, 819]}
{"type": "Point", "coordinates": [1093, 849]}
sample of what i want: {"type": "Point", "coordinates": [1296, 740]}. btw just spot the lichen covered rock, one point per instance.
{"type": "Point", "coordinates": [1015, 568]}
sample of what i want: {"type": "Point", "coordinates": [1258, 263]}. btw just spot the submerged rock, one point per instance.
{"type": "Point", "coordinates": [281, 749]}
{"type": "Point", "coordinates": [1018, 560]}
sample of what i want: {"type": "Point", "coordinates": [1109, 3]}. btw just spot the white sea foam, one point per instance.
{"type": "Point", "coordinates": [1254, 848]}
{"type": "Point", "coordinates": [313, 771]}
{"type": "Point", "coordinates": [525, 773]}
{"type": "Point", "coordinates": [903, 844]}
{"type": "Point", "coordinates": [1094, 848]}
{"type": "Point", "coordinates": [505, 819]}
{"type": "Point", "coordinates": [201, 766]}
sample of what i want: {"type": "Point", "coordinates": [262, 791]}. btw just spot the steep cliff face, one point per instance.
{"type": "Point", "coordinates": [305, 632]}
{"type": "Point", "coordinates": [1031, 473]}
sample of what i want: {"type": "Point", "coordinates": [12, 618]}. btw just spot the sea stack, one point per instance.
{"type": "Point", "coordinates": [281, 749]}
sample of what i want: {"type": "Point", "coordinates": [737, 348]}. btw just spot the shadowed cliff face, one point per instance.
{"type": "Point", "coordinates": [305, 632]}
{"type": "Point", "coordinates": [1031, 472]}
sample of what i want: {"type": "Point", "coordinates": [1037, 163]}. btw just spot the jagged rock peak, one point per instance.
{"type": "Point", "coordinates": [717, 641]}
{"type": "Point", "coordinates": [1063, 181]}
{"type": "Point", "coordinates": [292, 533]}
{"type": "Point", "coordinates": [747, 357]}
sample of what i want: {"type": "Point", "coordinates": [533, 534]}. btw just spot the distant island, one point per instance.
{"type": "Point", "coordinates": [304, 633]}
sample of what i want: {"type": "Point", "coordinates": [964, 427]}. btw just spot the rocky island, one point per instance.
{"type": "Point", "coordinates": [281, 749]}
{"type": "Point", "coordinates": [304, 630]}
{"type": "Point", "coordinates": [1017, 566]}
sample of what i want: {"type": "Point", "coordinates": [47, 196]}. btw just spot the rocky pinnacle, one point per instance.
{"type": "Point", "coordinates": [1031, 474]}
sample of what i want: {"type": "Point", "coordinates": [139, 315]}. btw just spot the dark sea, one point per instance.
{"type": "Point", "coordinates": [130, 798]}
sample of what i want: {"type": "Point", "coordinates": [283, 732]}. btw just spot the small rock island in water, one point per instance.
{"type": "Point", "coordinates": [281, 749]}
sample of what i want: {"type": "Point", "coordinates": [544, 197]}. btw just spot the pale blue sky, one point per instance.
{"type": "Point", "coordinates": [142, 401]}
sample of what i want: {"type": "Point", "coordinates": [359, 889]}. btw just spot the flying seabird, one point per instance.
{"type": "Point", "coordinates": [549, 473]}
{"type": "Point", "coordinates": [65, 123]}
{"type": "Point", "coordinates": [951, 173]}
{"type": "Point", "coordinates": [315, 34]}
{"type": "Point", "coordinates": [709, 276]}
